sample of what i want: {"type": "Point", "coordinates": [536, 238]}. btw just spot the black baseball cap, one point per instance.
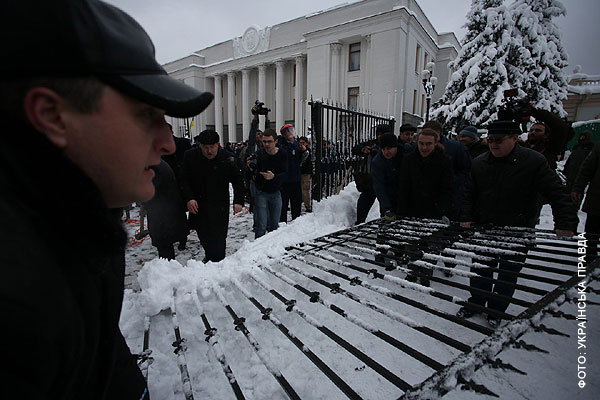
{"type": "Point", "coordinates": [71, 38]}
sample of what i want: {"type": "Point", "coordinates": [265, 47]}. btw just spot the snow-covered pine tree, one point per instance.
{"type": "Point", "coordinates": [475, 89]}
{"type": "Point", "coordinates": [518, 47]}
{"type": "Point", "coordinates": [537, 59]}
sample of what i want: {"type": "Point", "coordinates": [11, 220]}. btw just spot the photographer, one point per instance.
{"type": "Point", "coordinates": [248, 153]}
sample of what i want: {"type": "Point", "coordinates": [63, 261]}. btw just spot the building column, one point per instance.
{"type": "Point", "coordinates": [218, 106]}
{"type": "Point", "coordinates": [245, 103]}
{"type": "Point", "coordinates": [262, 89]}
{"type": "Point", "coordinates": [336, 50]}
{"type": "Point", "coordinates": [279, 94]}
{"type": "Point", "coordinates": [299, 95]}
{"type": "Point", "coordinates": [231, 106]}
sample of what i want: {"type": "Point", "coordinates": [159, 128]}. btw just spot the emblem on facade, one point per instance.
{"type": "Point", "coordinates": [253, 41]}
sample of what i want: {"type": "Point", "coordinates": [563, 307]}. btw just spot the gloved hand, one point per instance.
{"type": "Point", "coordinates": [389, 215]}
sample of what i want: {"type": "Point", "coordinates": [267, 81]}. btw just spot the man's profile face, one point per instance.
{"type": "Point", "coordinates": [209, 150]}
{"type": "Point", "coordinates": [116, 145]}
{"type": "Point", "coordinates": [259, 136]}
{"type": "Point", "coordinates": [406, 136]}
{"type": "Point", "coordinates": [426, 145]}
{"type": "Point", "coordinates": [536, 132]}
{"type": "Point", "coordinates": [502, 146]}
{"type": "Point", "coordinates": [464, 139]}
{"type": "Point", "coordinates": [389, 152]}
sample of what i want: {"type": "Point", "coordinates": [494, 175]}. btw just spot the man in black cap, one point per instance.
{"type": "Point", "coordinates": [503, 190]}
{"type": "Point", "coordinates": [83, 102]}
{"type": "Point", "coordinates": [207, 172]}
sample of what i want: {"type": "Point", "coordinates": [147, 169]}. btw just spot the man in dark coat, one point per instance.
{"type": "Point", "coordinates": [364, 183]}
{"type": "Point", "coordinates": [207, 173]}
{"type": "Point", "coordinates": [503, 190]}
{"type": "Point", "coordinates": [426, 180]}
{"type": "Point", "coordinates": [167, 221]}
{"type": "Point", "coordinates": [461, 165]}
{"type": "Point", "coordinates": [425, 186]}
{"type": "Point", "coordinates": [82, 127]}
{"type": "Point", "coordinates": [306, 171]}
{"type": "Point", "coordinates": [578, 154]}
{"type": "Point", "coordinates": [291, 189]}
{"type": "Point", "coordinates": [385, 170]}
{"type": "Point", "coordinates": [589, 173]}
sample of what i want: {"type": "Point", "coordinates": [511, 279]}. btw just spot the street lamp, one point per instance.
{"type": "Point", "coordinates": [429, 83]}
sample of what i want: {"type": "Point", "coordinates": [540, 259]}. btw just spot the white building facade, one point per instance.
{"type": "Point", "coordinates": [367, 55]}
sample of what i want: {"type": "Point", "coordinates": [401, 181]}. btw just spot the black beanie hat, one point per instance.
{"type": "Point", "coordinates": [388, 140]}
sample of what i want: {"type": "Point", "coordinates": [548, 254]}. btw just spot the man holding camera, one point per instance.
{"type": "Point", "coordinates": [503, 190]}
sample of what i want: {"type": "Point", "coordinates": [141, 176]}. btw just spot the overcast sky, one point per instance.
{"type": "Point", "coordinates": [180, 27]}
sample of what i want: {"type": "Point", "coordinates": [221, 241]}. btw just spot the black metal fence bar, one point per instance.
{"type": "Point", "coordinates": [335, 131]}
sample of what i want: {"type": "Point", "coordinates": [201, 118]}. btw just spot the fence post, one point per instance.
{"type": "Point", "coordinates": [317, 130]}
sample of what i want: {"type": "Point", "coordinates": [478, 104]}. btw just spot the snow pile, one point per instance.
{"type": "Point", "coordinates": [159, 277]}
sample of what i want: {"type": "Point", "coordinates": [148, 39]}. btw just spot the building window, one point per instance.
{"type": "Point", "coordinates": [425, 60]}
{"type": "Point", "coordinates": [417, 58]}
{"type": "Point", "coordinates": [354, 57]}
{"type": "Point", "coordinates": [353, 95]}
{"type": "Point", "coordinates": [414, 109]}
{"type": "Point", "coordinates": [422, 105]}
{"type": "Point", "coordinates": [294, 80]}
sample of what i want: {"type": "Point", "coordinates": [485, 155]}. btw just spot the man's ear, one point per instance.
{"type": "Point", "coordinates": [43, 108]}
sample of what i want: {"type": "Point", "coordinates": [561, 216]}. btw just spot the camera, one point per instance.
{"type": "Point", "coordinates": [514, 108]}
{"type": "Point", "coordinates": [252, 162]}
{"type": "Point", "coordinates": [259, 108]}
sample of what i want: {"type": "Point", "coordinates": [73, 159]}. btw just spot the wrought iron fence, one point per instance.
{"type": "Point", "coordinates": [335, 131]}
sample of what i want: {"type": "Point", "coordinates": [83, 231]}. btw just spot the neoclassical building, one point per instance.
{"type": "Point", "coordinates": [367, 55]}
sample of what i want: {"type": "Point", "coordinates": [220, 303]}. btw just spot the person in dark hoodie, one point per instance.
{"type": "Point", "coordinates": [83, 126]}
{"type": "Point", "coordinates": [470, 138]}
{"type": "Point", "coordinates": [207, 172]}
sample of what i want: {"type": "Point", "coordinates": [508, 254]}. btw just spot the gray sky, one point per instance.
{"type": "Point", "coordinates": [180, 27]}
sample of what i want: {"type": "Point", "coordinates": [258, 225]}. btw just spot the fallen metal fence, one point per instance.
{"type": "Point", "coordinates": [349, 290]}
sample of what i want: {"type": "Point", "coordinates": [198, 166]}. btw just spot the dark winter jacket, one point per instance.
{"type": "Point", "coordinates": [578, 154]}
{"type": "Point", "coordinates": [294, 154]}
{"type": "Point", "coordinates": [426, 185]}
{"type": "Point", "coordinates": [277, 164]}
{"type": "Point", "coordinates": [167, 221]}
{"type": "Point", "coordinates": [590, 173]}
{"type": "Point", "coordinates": [504, 191]}
{"type": "Point", "coordinates": [461, 167]}
{"type": "Point", "coordinates": [363, 180]}
{"type": "Point", "coordinates": [62, 258]}
{"type": "Point", "coordinates": [385, 175]}
{"type": "Point", "coordinates": [207, 182]}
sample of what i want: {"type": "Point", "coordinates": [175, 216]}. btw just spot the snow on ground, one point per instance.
{"type": "Point", "coordinates": [262, 358]}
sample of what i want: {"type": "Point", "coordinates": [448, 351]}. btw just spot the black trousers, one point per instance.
{"type": "Point", "coordinates": [496, 287]}
{"type": "Point", "coordinates": [364, 204]}
{"type": "Point", "coordinates": [291, 193]}
{"type": "Point", "coordinates": [214, 248]}
{"type": "Point", "coordinates": [592, 229]}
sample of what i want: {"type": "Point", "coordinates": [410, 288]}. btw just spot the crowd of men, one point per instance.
{"type": "Point", "coordinates": [85, 126]}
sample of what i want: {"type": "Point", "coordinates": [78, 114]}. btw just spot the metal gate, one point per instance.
{"type": "Point", "coordinates": [335, 131]}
